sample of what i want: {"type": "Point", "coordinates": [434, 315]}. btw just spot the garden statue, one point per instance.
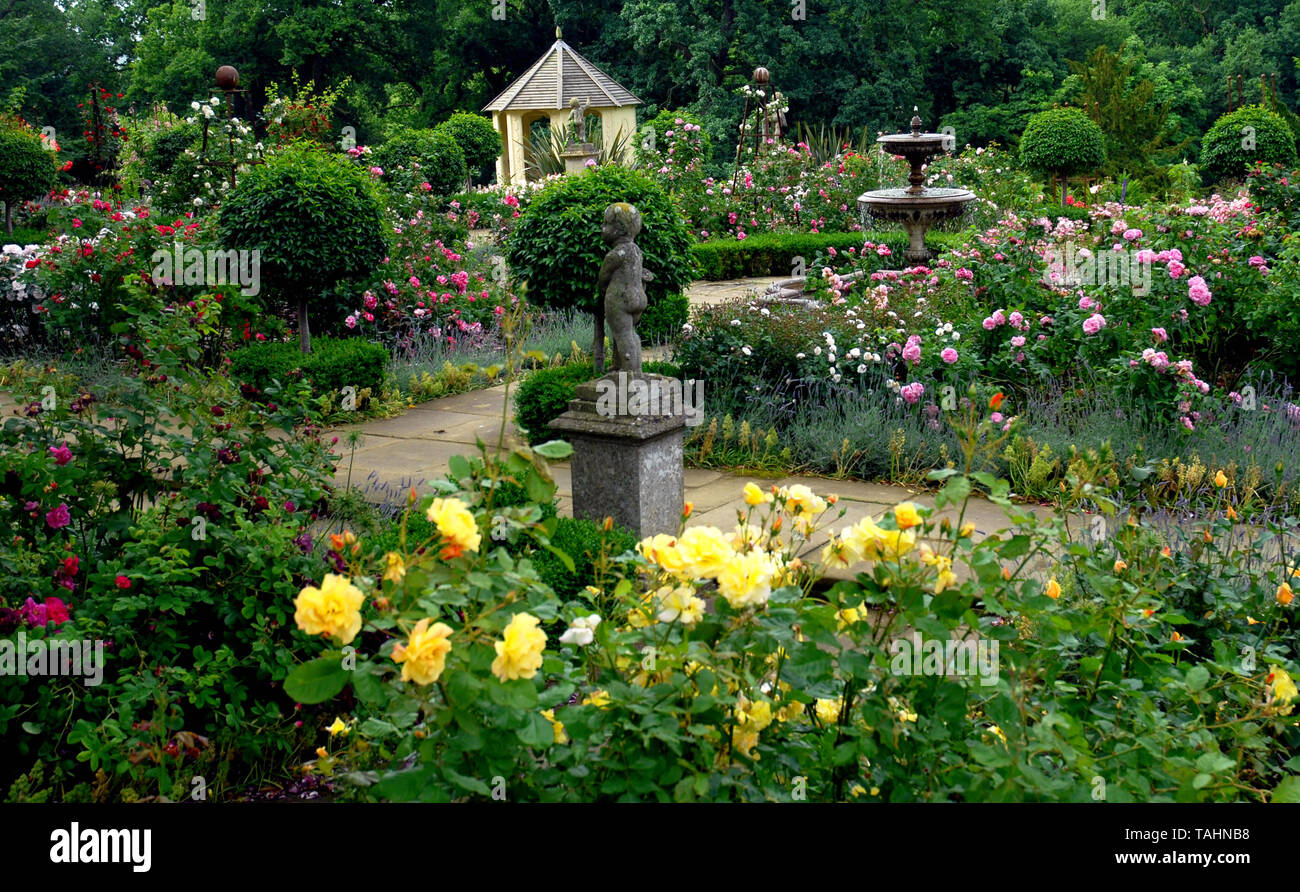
{"type": "Point", "coordinates": [621, 297]}
{"type": "Point", "coordinates": [578, 120]}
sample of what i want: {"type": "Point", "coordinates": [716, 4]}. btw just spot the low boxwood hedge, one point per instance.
{"type": "Point", "coordinates": [544, 395]}
{"type": "Point", "coordinates": [773, 253]}
{"type": "Point", "coordinates": [332, 364]}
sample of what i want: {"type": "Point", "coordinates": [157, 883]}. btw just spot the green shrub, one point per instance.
{"type": "Point", "coordinates": [333, 364]}
{"type": "Point", "coordinates": [1240, 138]}
{"type": "Point", "coordinates": [774, 253]}
{"type": "Point", "coordinates": [26, 167]}
{"type": "Point", "coordinates": [418, 529]}
{"type": "Point", "coordinates": [580, 539]}
{"type": "Point", "coordinates": [556, 246]}
{"type": "Point", "coordinates": [477, 138]}
{"type": "Point", "coordinates": [164, 148]}
{"type": "Point", "coordinates": [315, 217]}
{"type": "Point", "coordinates": [685, 150]}
{"type": "Point", "coordinates": [1062, 141]}
{"type": "Point", "coordinates": [544, 395]}
{"type": "Point", "coordinates": [413, 157]}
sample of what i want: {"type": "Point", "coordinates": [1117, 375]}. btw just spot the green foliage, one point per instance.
{"type": "Point", "coordinates": [27, 168]}
{"type": "Point", "coordinates": [1063, 141]}
{"type": "Point", "coordinates": [684, 151]}
{"type": "Point", "coordinates": [544, 395]}
{"type": "Point", "coordinates": [587, 544]}
{"type": "Point", "coordinates": [477, 138]}
{"type": "Point", "coordinates": [1241, 138]}
{"type": "Point", "coordinates": [314, 216]}
{"type": "Point", "coordinates": [557, 247]}
{"type": "Point", "coordinates": [414, 157]}
{"type": "Point", "coordinates": [333, 364]}
{"type": "Point", "coordinates": [185, 552]}
{"type": "Point", "coordinates": [164, 149]}
{"type": "Point", "coordinates": [776, 253]}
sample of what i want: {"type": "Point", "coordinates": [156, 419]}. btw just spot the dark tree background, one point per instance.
{"type": "Point", "coordinates": [980, 66]}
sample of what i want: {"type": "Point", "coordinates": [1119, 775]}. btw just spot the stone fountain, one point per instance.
{"type": "Point", "coordinates": [917, 208]}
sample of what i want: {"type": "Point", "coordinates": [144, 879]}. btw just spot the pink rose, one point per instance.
{"type": "Point", "coordinates": [59, 518]}
{"type": "Point", "coordinates": [62, 454]}
{"type": "Point", "coordinates": [948, 355]}
{"type": "Point", "coordinates": [1094, 323]}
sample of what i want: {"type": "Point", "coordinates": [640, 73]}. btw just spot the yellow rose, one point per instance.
{"type": "Point", "coordinates": [744, 742]}
{"type": "Point", "coordinates": [1220, 480]}
{"type": "Point", "coordinates": [337, 728]}
{"type": "Point", "coordinates": [746, 579]}
{"type": "Point", "coordinates": [598, 699]}
{"type": "Point", "coordinates": [906, 515]}
{"type": "Point", "coordinates": [827, 711]}
{"type": "Point", "coordinates": [395, 567]}
{"type": "Point", "coordinates": [747, 536]}
{"type": "Point", "coordinates": [666, 552]}
{"type": "Point", "coordinates": [557, 727]}
{"type": "Point", "coordinates": [424, 656]}
{"type": "Point", "coordinates": [1053, 589]}
{"type": "Point", "coordinates": [756, 496]}
{"type": "Point", "coordinates": [334, 609]}
{"type": "Point", "coordinates": [705, 550]}
{"type": "Point", "coordinates": [1284, 594]}
{"type": "Point", "coordinates": [679, 603]}
{"type": "Point", "coordinates": [519, 655]}
{"type": "Point", "coordinates": [1282, 690]}
{"type": "Point", "coordinates": [456, 524]}
{"type": "Point", "coordinates": [799, 499]}
{"type": "Point", "coordinates": [967, 529]}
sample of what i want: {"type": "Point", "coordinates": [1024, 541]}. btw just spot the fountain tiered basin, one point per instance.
{"type": "Point", "coordinates": [916, 208]}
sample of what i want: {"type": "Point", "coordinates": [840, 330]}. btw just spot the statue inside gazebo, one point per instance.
{"type": "Point", "coordinates": [557, 88]}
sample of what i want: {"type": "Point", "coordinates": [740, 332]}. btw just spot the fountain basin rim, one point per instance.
{"type": "Point", "coordinates": [903, 198]}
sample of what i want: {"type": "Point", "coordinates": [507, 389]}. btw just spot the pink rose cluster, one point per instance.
{"type": "Point", "coordinates": [1198, 291]}
{"type": "Point", "coordinates": [912, 392]}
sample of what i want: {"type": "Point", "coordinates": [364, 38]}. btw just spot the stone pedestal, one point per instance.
{"type": "Point", "coordinates": [576, 155]}
{"type": "Point", "coordinates": [627, 453]}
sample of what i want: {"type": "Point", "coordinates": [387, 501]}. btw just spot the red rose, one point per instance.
{"type": "Point", "coordinates": [123, 582]}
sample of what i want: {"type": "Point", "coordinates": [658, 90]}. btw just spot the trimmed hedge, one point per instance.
{"type": "Point", "coordinates": [579, 538]}
{"type": "Point", "coordinates": [1223, 155]}
{"type": "Point", "coordinates": [773, 253]}
{"type": "Point", "coordinates": [333, 364]}
{"type": "Point", "coordinates": [544, 395]}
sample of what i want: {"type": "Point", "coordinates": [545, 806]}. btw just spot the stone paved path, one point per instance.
{"type": "Point", "coordinates": [414, 448]}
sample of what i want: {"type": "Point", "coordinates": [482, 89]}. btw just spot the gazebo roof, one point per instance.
{"type": "Point", "coordinates": [558, 76]}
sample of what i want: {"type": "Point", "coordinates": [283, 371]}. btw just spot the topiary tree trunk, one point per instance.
{"type": "Point", "coordinates": [304, 332]}
{"type": "Point", "coordinates": [9, 218]}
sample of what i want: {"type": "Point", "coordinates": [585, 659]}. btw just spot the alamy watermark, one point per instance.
{"type": "Point", "coordinates": [1073, 267]}
{"type": "Point", "coordinates": [919, 655]}
{"type": "Point", "coordinates": [53, 656]}
{"type": "Point", "coordinates": [195, 266]}
{"type": "Point", "coordinates": [634, 395]}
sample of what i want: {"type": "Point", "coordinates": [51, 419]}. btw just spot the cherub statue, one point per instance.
{"type": "Point", "coordinates": [578, 119]}
{"type": "Point", "coordinates": [621, 290]}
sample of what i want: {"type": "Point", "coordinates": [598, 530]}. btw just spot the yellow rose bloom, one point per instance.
{"type": "Point", "coordinates": [424, 655]}
{"type": "Point", "coordinates": [666, 552]}
{"type": "Point", "coordinates": [1284, 594]}
{"type": "Point", "coordinates": [756, 496]}
{"type": "Point", "coordinates": [456, 524]}
{"type": "Point", "coordinates": [1120, 566]}
{"type": "Point", "coordinates": [705, 550]}
{"type": "Point", "coordinates": [334, 609]}
{"type": "Point", "coordinates": [395, 567]}
{"type": "Point", "coordinates": [801, 500]}
{"type": "Point", "coordinates": [906, 515]}
{"type": "Point", "coordinates": [1282, 691]}
{"type": "Point", "coordinates": [744, 742]}
{"type": "Point", "coordinates": [519, 655]}
{"type": "Point", "coordinates": [967, 529]}
{"type": "Point", "coordinates": [598, 699]}
{"type": "Point", "coordinates": [753, 716]}
{"type": "Point", "coordinates": [1053, 589]}
{"type": "Point", "coordinates": [679, 603]}
{"type": "Point", "coordinates": [1220, 480]}
{"type": "Point", "coordinates": [557, 727]}
{"type": "Point", "coordinates": [827, 711]}
{"type": "Point", "coordinates": [791, 710]}
{"type": "Point", "coordinates": [746, 580]}
{"type": "Point", "coordinates": [337, 728]}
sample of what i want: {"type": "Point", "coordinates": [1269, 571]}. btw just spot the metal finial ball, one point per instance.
{"type": "Point", "coordinates": [760, 75]}
{"type": "Point", "coordinates": [227, 77]}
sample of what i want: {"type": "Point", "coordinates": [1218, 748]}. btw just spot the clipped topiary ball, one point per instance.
{"type": "Point", "coordinates": [27, 168]}
{"type": "Point", "coordinates": [556, 246]}
{"type": "Point", "coordinates": [1240, 138]}
{"type": "Point", "coordinates": [414, 157]}
{"type": "Point", "coordinates": [477, 138]}
{"type": "Point", "coordinates": [314, 216]}
{"type": "Point", "coordinates": [1062, 141]}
